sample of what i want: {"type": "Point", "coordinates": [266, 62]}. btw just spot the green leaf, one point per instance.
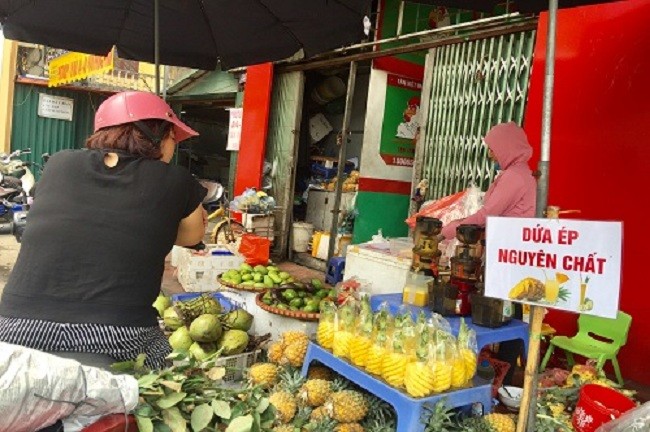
{"type": "Point", "coordinates": [139, 362]}
{"type": "Point", "coordinates": [201, 417]}
{"type": "Point", "coordinates": [147, 381]}
{"type": "Point", "coordinates": [221, 408]}
{"type": "Point", "coordinates": [264, 404]}
{"type": "Point", "coordinates": [256, 422]}
{"type": "Point", "coordinates": [238, 410]}
{"type": "Point", "coordinates": [241, 424]}
{"type": "Point", "coordinates": [144, 424]}
{"type": "Point", "coordinates": [170, 400]}
{"type": "Point", "coordinates": [174, 419]}
{"type": "Point", "coordinates": [159, 426]}
{"type": "Point", "coordinates": [125, 366]}
{"type": "Point", "coordinates": [145, 410]}
{"type": "Point", "coordinates": [173, 385]}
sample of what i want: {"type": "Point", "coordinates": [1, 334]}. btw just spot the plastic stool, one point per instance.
{"type": "Point", "coordinates": [335, 269]}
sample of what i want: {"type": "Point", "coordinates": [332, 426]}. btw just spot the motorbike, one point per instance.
{"type": "Point", "coordinates": [17, 185]}
{"type": "Point", "coordinates": [222, 227]}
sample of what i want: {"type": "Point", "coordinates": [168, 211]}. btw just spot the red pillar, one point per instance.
{"type": "Point", "coordinates": [255, 122]}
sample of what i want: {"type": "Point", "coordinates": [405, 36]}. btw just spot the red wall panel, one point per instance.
{"type": "Point", "coordinates": [255, 121]}
{"type": "Point", "coordinates": [600, 143]}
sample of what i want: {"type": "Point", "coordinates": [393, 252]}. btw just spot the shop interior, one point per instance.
{"type": "Point", "coordinates": [318, 154]}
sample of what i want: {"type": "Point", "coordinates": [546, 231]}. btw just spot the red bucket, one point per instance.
{"type": "Point", "coordinates": [598, 405]}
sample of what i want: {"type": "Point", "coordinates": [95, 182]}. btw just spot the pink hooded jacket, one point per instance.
{"type": "Point", "coordinates": [513, 192]}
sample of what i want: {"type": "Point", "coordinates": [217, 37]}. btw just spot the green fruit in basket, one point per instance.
{"type": "Point", "coordinates": [322, 293]}
{"type": "Point", "coordinates": [301, 294]}
{"type": "Point", "coordinates": [171, 319]}
{"type": "Point", "coordinates": [261, 269]}
{"type": "Point", "coordinates": [294, 308]}
{"type": "Point", "coordinates": [162, 302]}
{"type": "Point", "coordinates": [245, 268]}
{"type": "Point", "coordinates": [332, 293]}
{"type": "Point", "coordinates": [289, 294]}
{"type": "Point", "coordinates": [233, 342]}
{"type": "Point", "coordinates": [284, 275]}
{"type": "Point", "coordinates": [275, 278]}
{"type": "Point", "coordinates": [272, 269]}
{"type": "Point", "coordinates": [202, 351]}
{"type": "Point", "coordinates": [206, 328]}
{"type": "Point", "coordinates": [248, 283]}
{"type": "Point", "coordinates": [310, 308]}
{"type": "Point", "coordinates": [180, 340]}
{"type": "Point", "coordinates": [259, 285]}
{"type": "Point", "coordinates": [246, 277]}
{"type": "Point", "coordinates": [236, 279]}
{"type": "Point", "coordinates": [267, 298]}
{"type": "Point", "coordinates": [268, 281]}
{"type": "Point", "coordinates": [238, 319]}
{"type": "Point", "coordinates": [290, 280]}
{"type": "Point", "coordinates": [282, 306]}
{"type": "Point", "coordinates": [258, 277]}
{"type": "Point", "coordinates": [317, 283]}
{"type": "Point", "coordinates": [297, 302]}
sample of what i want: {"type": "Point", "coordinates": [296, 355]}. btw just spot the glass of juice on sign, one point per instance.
{"type": "Point", "coordinates": [583, 289]}
{"type": "Point", "coordinates": [551, 289]}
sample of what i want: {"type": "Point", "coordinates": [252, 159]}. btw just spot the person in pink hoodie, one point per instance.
{"type": "Point", "coordinates": [513, 192]}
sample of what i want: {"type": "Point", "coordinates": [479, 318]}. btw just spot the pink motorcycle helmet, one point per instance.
{"type": "Point", "coordinates": [134, 106]}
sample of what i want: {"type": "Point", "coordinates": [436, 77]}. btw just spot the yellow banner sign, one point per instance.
{"type": "Point", "coordinates": [75, 66]}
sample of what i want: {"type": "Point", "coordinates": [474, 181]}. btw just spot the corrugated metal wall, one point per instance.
{"type": "Point", "coordinates": [48, 135]}
{"type": "Point", "coordinates": [472, 87]}
{"type": "Point", "coordinates": [281, 148]}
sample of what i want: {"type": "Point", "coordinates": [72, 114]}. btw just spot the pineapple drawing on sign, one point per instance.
{"type": "Point", "coordinates": [549, 291]}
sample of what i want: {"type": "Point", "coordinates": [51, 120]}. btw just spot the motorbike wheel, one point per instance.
{"type": "Point", "coordinates": [226, 233]}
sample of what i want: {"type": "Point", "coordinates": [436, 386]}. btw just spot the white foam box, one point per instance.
{"type": "Point", "coordinates": [253, 221]}
{"type": "Point", "coordinates": [386, 272]}
{"type": "Point", "coordinates": [200, 272]}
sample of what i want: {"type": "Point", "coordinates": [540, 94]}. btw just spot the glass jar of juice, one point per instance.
{"type": "Point", "coordinates": [416, 290]}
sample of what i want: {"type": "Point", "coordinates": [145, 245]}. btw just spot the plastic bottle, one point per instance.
{"type": "Point", "coordinates": [485, 371]}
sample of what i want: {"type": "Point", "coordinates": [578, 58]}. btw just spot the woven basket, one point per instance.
{"type": "Point", "coordinates": [299, 315]}
{"type": "Point", "coordinates": [239, 287]}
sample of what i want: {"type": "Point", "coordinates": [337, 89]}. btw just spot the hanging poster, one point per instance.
{"type": "Point", "coordinates": [234, 129]}
{"type": "Point", "coordinates": [563, 264]}
{"type": "Point", "coordinates": [401, 121]}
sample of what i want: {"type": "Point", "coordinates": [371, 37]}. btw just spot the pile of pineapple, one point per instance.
{"type": "Point", "coordinates": [323, 402]}
{"type": "Point", "coordinates": [420, 356]}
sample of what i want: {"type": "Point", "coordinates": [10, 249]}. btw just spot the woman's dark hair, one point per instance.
{"type": "Point", "coordinates": [129, 138]}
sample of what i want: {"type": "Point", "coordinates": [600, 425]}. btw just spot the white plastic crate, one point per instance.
{"type": "Point", "coordinates": [199, 272]}
{"type": "Point", "coordinates": [236, 365]}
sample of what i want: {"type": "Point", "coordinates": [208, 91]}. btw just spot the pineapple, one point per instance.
{"type": "Point", "coordinates": [458, 367]}
{"type": "Point", "coordinates": [319, 372]}
{"type": "Point", "coordinates": [265, 374]}
{"type": "Point", "coordinates": [284, 428]}
{"type": "Point", "coordinates": [347, 406]}
{"type": "Point", "coordinates": [500, 422]}
{"type": "Point", "coordinates": [378, 349]}
{"type": "Point", "coordinates": [438, 418]}
{"type": "Point", "coordinates": [471, 362]}
{"type": "Point", "coordinates": [349, 427]}
{"type": "Point", "coordinates": [343, 330]}
{"type": "Point", "coordinates": [314, 392]}
{"type": "Point", "coordinates": [362, 338]}
{"type": "Point", "coordinates": [528, 288]}
{"type": "Point", "coordinates": [467, 349]}
{"type": "Point", "coordinates": [418, 376]}
{"type": "Point", "coordinates": [295, 352]}
{"type": "Point", "coordinates": [274, 352]}
{"type": "Point", "coordinates": [319, 414]}
{"type": "Point", "coordinates": [439, 365]}
{"type": "Point", "coordinates": [325, 332]}
{"type": "Point", "coordinates": [393, 365]}
{"type": "Point", "coordinates": [285, 405]}
{"type": "Point", "coordinates": [292, 337]}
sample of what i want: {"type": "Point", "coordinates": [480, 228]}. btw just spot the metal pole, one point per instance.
{"type": "Point", "coordinates": [164, 88]}
{"type": "Point", "coordinates": [400, 19]}
{"type": "Point", "coordinates": [529, 409]}
{"type": "Point", "coordinates": [156, 43]}
{"type": "Point", "coordinates": [345, 128]}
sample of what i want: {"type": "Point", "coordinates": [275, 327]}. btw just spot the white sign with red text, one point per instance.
{"type": "Point", "coordinates": [234, 129]}
{"type": "Point", "coordinates": [563, 264]}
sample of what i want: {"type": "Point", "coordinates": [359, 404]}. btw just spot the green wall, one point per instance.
{"type": "Point", "coordinates": [383, 211]}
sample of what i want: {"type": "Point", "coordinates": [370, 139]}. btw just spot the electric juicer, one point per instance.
{"type": "Point", "coordinates": [466, 265]}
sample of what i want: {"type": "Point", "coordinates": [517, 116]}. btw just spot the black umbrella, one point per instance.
{"type": "Point", "coordinates": [193, 33]}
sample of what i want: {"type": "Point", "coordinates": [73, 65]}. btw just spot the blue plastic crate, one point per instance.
{"type": "Point", "coordinates": [319, 170]}
{"type": "Point", "coordinates": [227, 304]}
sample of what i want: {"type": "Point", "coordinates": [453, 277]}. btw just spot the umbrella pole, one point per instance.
{"type": "Point", "coordinates": [156, 43]}
{"type": "Point", "coordinates": [528, 409]}
{"type": "Point", "coordinates": [345, 131]}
